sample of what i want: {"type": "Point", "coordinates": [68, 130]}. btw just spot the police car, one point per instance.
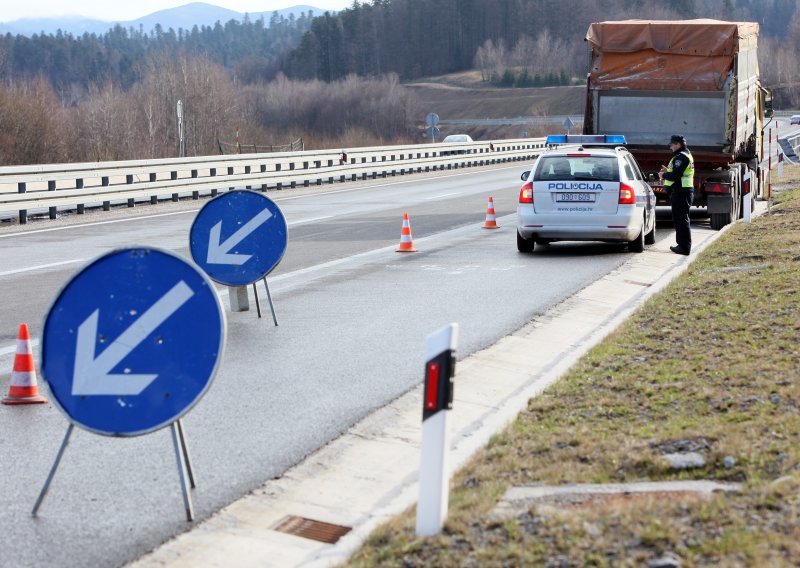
{"type": "Point", "coordinates": [585, 188]}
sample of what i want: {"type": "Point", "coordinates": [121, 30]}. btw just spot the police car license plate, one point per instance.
{"type": "Point", "coordinates": [579, 197]}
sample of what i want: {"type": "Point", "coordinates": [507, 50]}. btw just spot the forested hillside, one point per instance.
{"type": "Point", "coordinates": [249, 49]}
{"type": "Point", "coordinates": [335, 80]}
{"type": "Point", "coordinates": [418, 38]}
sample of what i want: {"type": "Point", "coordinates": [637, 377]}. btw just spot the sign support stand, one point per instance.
{"type": "Point", "coordinates": [271, 306]}
{"type": "Point", "coordinates": [258, 302]}
{"type": "Point", "coordinates": [186, 456]}
{"type": "Point", "coordinates": [183, 466]}
{"type": "Point", "coordinates": [53, 469]}
{"type": "Point", "coordinates": [181, 454]}
{"type": "Point", "coordinates": [269, 297]}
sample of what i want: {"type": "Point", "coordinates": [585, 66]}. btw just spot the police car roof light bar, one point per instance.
{"type": "Point", "coordinates": [586, 139]}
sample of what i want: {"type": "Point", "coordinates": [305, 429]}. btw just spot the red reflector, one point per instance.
{"type": "Point", "coordinates": [717, 187]}
{"type": "Point", "coordinates": [432, 386]}
{"type": "Point", "coordinates": [578, 155]}
{"type": "Point", "coordinates": [627, 196]}
{"type": "Point", "coordinates": [526, 193]}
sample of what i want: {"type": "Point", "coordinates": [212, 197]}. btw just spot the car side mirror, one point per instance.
{"type": "Point", "coordinates": [524, 176]}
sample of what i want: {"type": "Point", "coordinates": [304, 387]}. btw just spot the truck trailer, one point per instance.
{"type": "Point", "coordinates": [697, 78]}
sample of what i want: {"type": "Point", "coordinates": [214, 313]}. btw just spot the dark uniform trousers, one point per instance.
{"type": "Point", "coordinates": [681, 200]}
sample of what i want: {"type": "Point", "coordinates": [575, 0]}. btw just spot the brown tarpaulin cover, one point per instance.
{"type": "Point", "coordinates": [689, 55]}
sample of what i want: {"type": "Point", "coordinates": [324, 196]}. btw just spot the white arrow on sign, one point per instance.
{"type": "Point", "coordinates": [92, 375]}
{"type": "Point", "coordinates": [219, 252]}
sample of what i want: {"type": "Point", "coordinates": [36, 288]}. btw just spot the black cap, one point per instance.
{"type": "Point", "coordinates": [677, 139]}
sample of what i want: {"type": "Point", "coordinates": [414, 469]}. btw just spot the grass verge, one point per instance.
{"type": "Point", "coordinates": [711, 363]}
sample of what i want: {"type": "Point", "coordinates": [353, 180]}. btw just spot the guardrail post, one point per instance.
{"type": "Point", "coordinates": [104, 182]}
{"type": "Point", "coordinates": [173, 176]}
{"type": "Point", "coordinates": [51, 186]}
{"type": "Point", "coordinates": [79, 185]}
{"type": "Point", "coordinates": [23, 213]}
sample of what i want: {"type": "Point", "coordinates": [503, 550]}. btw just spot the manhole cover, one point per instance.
{"type": "Point", "coordinates": [309, 528]}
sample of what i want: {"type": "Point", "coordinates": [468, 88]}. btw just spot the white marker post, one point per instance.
{"type": "Point", "coordinates": [748, 197]}
{"type": "Point", "coordinates": [440, 367]}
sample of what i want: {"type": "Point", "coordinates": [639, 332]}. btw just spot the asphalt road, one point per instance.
{"type": "Point", "coordinates": [353, 318]}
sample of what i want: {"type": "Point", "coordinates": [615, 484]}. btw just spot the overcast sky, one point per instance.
{"type": "Point", "coordinates": [11, 10]}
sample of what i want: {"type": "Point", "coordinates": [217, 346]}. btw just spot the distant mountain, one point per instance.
{"type": "Point", "coordinates": [187, 16]}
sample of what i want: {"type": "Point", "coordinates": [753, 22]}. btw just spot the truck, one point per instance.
{"type": "Point", "coordinates": [696, 78]}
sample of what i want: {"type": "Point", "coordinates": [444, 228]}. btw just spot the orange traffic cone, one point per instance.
{"type": "Point", "coordinates": [491, 220]}
{"type": "Point", "coordinates": [23, 389]}
{"type": "Point", "coordinates": [406, 243]}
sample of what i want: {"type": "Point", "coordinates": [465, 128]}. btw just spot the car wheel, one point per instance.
{"type": "Point", "coordinates": [637, 244]}
{"type": "Point", "coordinates": [650, 238]}
{"type": "Point", "coordinates": [524, 245]}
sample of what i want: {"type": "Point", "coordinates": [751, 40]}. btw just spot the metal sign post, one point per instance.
{"type": "Point", "coordinates": [129, 346]}
{"type": "Point", "coordinates": [181, 143]}
{"type": "Point", "coordinates": [238, 238]}
{"type": "Point", "coordinates": [437, 399]}
{"type": "Point", "coordinates": [568, 125]}
{"type": "Point", "coordinates": [432, 120]}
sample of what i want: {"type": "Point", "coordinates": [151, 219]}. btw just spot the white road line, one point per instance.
{"type": "Point", "coordinates": [303, 221]}
{"type": "Point", "coordinates": [97, 223]}
{"type": "Point", "coordinates": [309, 270]}
{"type": "Point", "coordinates": [42, 266]}
{"type": "Point", "coordinates": [443, 195]}
{"type": "Point", "coordinates": [13, 348]}
{"type": "Point", "coordinates": [322, 193]}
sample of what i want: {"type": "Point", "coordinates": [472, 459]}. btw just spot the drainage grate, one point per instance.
{"type": "Point", "coordinates": [309, 528]}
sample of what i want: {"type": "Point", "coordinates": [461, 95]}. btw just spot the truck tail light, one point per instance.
{"type": "Point", "coordinates": [627, 196]}
{"type": "Point", "coordinates": [526, 193]}
{"type": "Point", "coordinates": [717, 187]}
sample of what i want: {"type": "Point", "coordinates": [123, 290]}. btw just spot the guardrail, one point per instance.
{"type": "Point", "coordinates": [794, 142]}
{"type": "Point", "coordinates": [50, 188]}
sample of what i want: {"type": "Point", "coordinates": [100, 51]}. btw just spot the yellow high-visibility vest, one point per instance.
{"type": "Point", "coordinates": [687, 179]}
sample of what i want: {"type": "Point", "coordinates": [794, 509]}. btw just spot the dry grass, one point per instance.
{"type": "Point", "coordinates": [711, 361]}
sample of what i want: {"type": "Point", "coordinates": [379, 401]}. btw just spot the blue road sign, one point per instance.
{"type": "Point", "coordinates": [132, 342]}
{"type": "Point", "coordinates": [239, 237]}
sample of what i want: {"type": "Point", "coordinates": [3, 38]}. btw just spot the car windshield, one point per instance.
{"type": "Point", "coordinates": [577, 168]}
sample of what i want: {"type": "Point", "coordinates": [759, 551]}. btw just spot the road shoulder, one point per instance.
{"type": "Point", "coordinates": [368, 475]}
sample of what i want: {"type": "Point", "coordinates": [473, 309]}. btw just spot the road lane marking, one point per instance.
{"type": "Point", "coordinates": [13, 348]}
{"type": "Point", "coordinates": [309, 270]}
{"type": "Point", "coordinates": [443, 195]}
{"type": "Point", "coordinates": [303, 221]}
{"type": "Point", "coordinates": [42, 266]}
{"type": "Point", "coordinates": [97, 223]}
{"type": "Point", "coordinates": [77, 260]}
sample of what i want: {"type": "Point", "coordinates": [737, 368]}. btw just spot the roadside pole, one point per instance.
{"type": "Point", "coordinates": [437, 400]}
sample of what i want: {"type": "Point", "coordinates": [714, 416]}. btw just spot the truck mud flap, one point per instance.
{"type": "Point", "coordinates": [718, 203]}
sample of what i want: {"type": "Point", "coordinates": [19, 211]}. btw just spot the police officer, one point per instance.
{"type": "Point", "coordinates": [678, 178]}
